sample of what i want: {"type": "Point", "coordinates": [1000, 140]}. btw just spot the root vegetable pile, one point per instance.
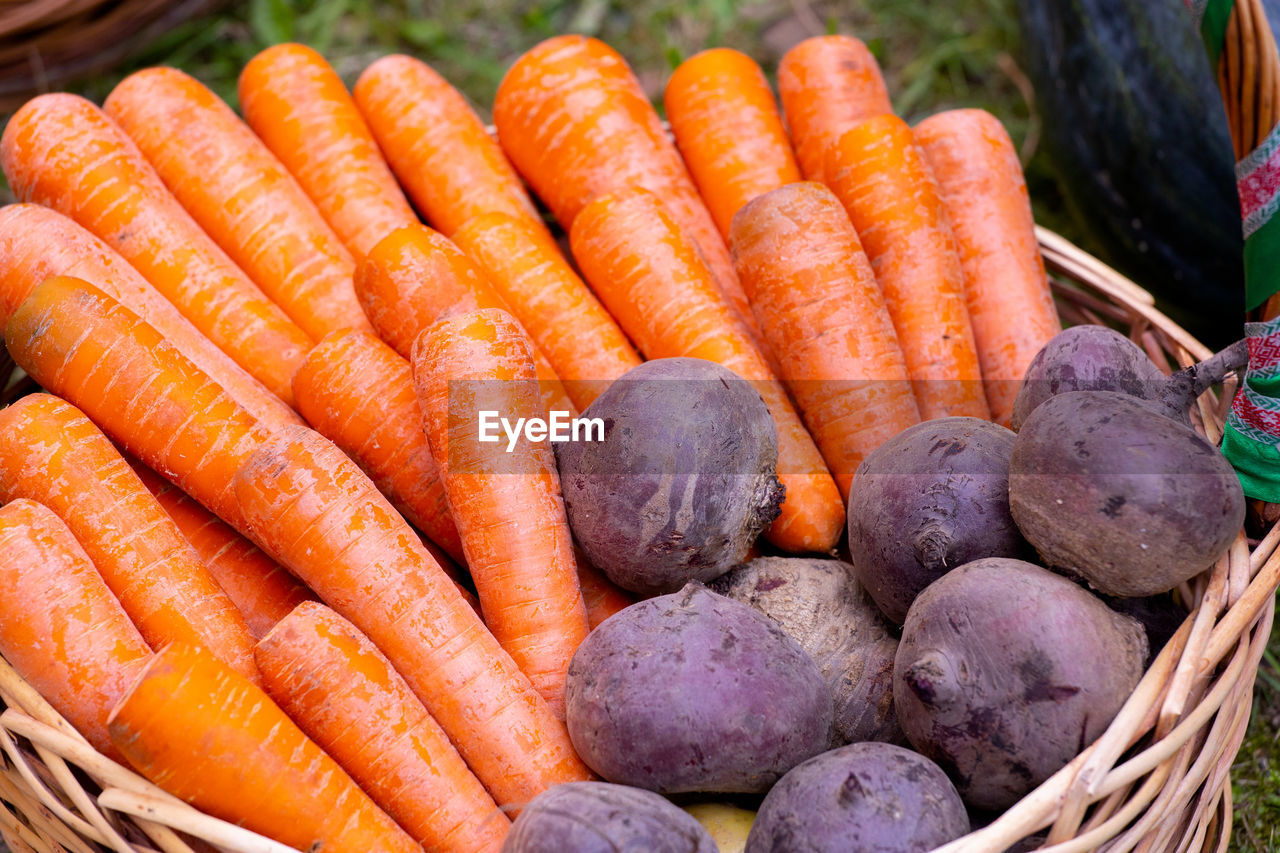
{"type": "Point", "coordinates": [644, 466]}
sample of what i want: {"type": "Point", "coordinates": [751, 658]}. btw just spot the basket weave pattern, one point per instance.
{"type": "Point", "coordinates": [1157, 780]}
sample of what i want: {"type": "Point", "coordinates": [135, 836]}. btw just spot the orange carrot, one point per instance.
{"type": "Point", "coordinates": [61, 151]}
{"type": "Point", "coordinates": [60, 627]}
{"type": "Point", "coordinates": [263, 592]}
{"type": "Point", "coordinates": [985, 195]}
{"type": "Point", "coordinates": [881, 178]}
{"type": "Point", "coordinates": [241, 195]}
{"type": "Point", "coordinates": [50, 453]}
{"type": "Point", "coordinates": [437, 146]}
{"type": "Point", "coordinates": [728, 130]}
{"type": "Point", "coordinates": [818, 303]}
{"type": "Point", "coordinates": [458, 576]}
{"type": "Point", "coordinates": [599, 594]}
{"type": "Point", "coordinates": [383, 431]}
{"type": "Point", "coordinates": [137, 387]}
{"type": "Point", "coordinates": [827, 85]}
{"type": "Point", "coordinates": [654, 282]}
{"type": "Point", "coordinates": [207, 735]}
{"type": "Point", "coordinates": [566, 321]}
{"type": "Point", "coordinates": [319, 515]}
{"type": "Point", "coordinates": [299, 107]}
{"type": "Point", "coordinates": [415, 276]}
{"type": "Point", "coordinates": [36, 243]}
{"type": "Point", "coordinates": [576, 123]}
{"type": "Point", "coordinates": [79, 343]}
{"type": "Point", "coordinates": [345, 695]}
{"type": "Point", "coordinates": [505, 500]}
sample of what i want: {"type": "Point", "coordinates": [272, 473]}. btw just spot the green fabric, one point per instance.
{"type": "Point", "coordinates": [1262, 264]}
{"type": "Point", "coordinates": [1213, 29]}
{"type": "Point", "coordinates": [1257, 464]}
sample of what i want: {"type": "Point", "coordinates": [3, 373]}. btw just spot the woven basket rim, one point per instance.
{"type": "Point", "coordinates": [1188, 714]}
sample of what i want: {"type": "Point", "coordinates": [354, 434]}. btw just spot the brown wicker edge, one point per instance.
{"type": "Point", "coordinates": [46, 43]}
{"type": "Point", "coordinates": [1157, 780]}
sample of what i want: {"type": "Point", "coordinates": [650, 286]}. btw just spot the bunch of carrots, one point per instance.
{"type": "Point", "coordinates": [243, 545]}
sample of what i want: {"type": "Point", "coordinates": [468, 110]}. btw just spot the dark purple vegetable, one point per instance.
{"type": "Point", "coordinates": [1159, 615]}
{"type": "Point", "coordinates": [820, 605]}
{"type": "Point", "coordinates": [1109, 489]}
{"type": "Point", "coordinates": [684, 480]}
{"type": "Point", "coordinates": [695, 692]}
{"type": "Point", "coordinates": [933, 497]}
{"type": "Point", "coordinates": [1095, 358]}
{"type": "Point", "coordinates": [599, 817]}
{"type": "Point", "coordinates": [1006, 671]}
{"type": "Point", "coordinates": [1086, 358]}
{"type": "Point", "coordinates": [868, 797]}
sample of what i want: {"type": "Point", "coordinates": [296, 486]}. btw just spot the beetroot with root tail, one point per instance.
{"type": "Point", "coordinates": [933, 497]}
{"type": "Point", "coordinates": [1086, 358]}
{"type": "Point", "coordinates": [1005, 671]}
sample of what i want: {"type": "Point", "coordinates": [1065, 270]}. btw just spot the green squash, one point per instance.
{"type": "Point", "coordinates": [1135, 130]}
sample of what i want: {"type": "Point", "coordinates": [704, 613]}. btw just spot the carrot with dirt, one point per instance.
{"type": "Point", "coordinates": [52, 454]}
{"type": "Point", "coordinates": [576, 123]}
{"type": "Point", "coordinates": [817, 300]}
{"type": "Point", "coordinates": [300, 108]}
{"type": "Point", "coordinates": [566, 321]}
{"type": "Point", "coordinates": [727, 127]}
{"type": "Point", "coordinates": [261, 590]}
{"type": "Point", "coordinates": [382, 432]}
{"type": "Point", "coordinates": [346, 696]}
{"type": "Point", "coordinates": [36, 243]}
{"type": "Point", "coordinates": [241, 195]}
{"type": "Point", "coordinates": [827, 85]}
{"type": "Point", "coordinates": [437, 146]}
{"type": "Point", "coordinates": [504, 497]}
{"type": "Point", "coordinates": [80, 344]}
{"type": "Point", "coordinates": [653, 280]}
{"type": "Point", "coordinates": [61, 151]}
{"type": "Point", "coordinates": [601, 596]}
{"type": "Point", "coordinates": [416, 276]}
{"type": "Point", "coordinates": [60, 627]}
{"type": "Point", "coordinates": [985, 195]}
{"type": "Point", "coordinates": [306, 501]}
{"type": "Point", "coordinates": [882, 180]}
{"type": "Point", "coordinates": [209, 736]}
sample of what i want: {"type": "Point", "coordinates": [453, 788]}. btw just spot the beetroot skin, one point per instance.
{"type": "Point", "coordinates": [1086, 358]}
{"type": "Point", "coordinates": [684, 480]}
{"type": "Point", "coordinates": [820, 604]}
{"type": "Point", "coordinates": [693, 691]}
{"type": "Point", "coordinates": [933, 497]}
{"type": "Point", "coordinates": [869, 797]}
{"type": "Point", "coordinates": [1108, 489]}
{"type": "Point", "coordinates": [600, 817]}
{"type": "Point", "coordinates": [1005, 671]}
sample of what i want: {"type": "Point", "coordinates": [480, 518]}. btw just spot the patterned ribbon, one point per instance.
{"type": "Point", "coordinates": [1251, 439]}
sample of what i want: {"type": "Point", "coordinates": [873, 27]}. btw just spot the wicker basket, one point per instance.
{"type": "Point", "coordinates": [45, 43]}
{"type": "Point", "coordinates": [1157, 780]}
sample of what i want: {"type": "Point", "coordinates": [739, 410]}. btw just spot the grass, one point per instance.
{"type": "Point", "coordinates": [934, 56]}
{"type": "Point", "coordinates": [1255, 775]}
